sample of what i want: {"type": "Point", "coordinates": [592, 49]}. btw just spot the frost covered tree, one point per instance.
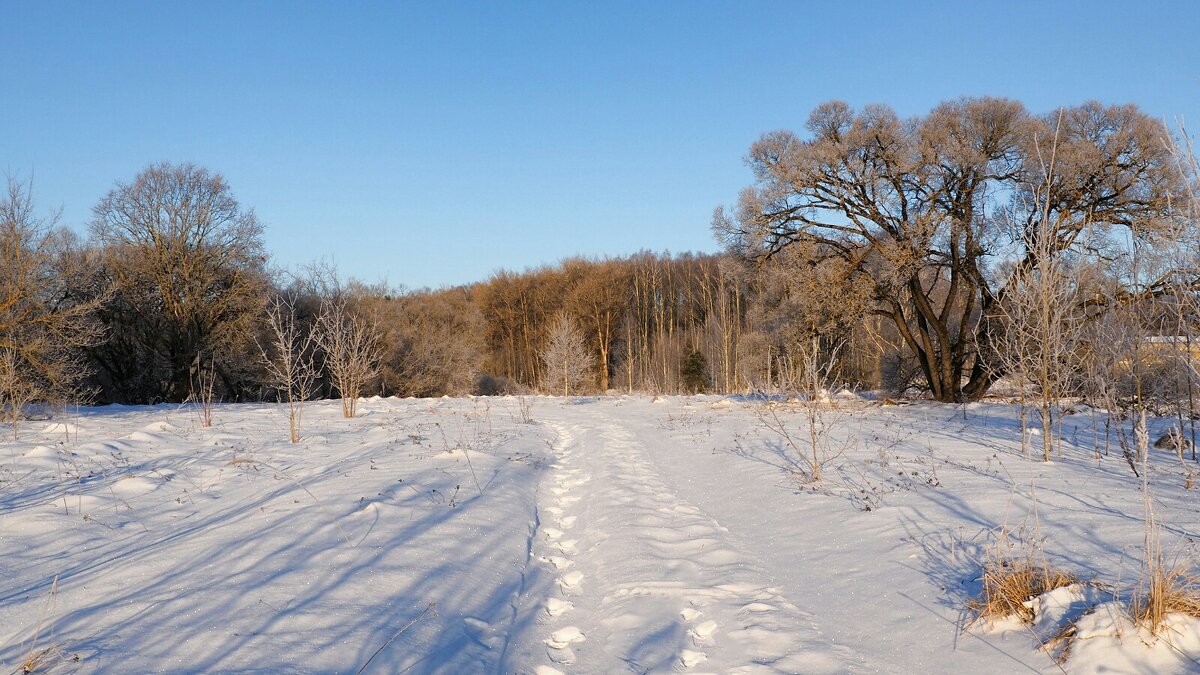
{"type": "Point", "coordinates": [566, 358]}
{"type": "Point", "coordinates": [910, 206]}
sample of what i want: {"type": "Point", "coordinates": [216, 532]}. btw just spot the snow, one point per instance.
{"type": "Point", "coordinates": [1108, 641]}
{"type": "Point", "coordinates": [613, 534]}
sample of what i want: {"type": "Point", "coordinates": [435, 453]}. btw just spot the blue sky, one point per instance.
{"type": "Point", "coordinates": [431, 144]}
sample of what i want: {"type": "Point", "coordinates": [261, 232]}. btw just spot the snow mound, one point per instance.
{"type": "Point", "coordinates": [1107, 640]}
{"type": "Point", "coordinates": [40, 451]}
{"type": "Point", "coordinates": [132, 486]}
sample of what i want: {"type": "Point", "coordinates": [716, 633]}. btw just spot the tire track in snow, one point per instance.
{"type": "Point", "coordinates": [649, 581]}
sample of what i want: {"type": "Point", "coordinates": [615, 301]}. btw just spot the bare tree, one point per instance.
{"type": "Point", "coordinates": [43, 326]}
{"type": "Point", "coordinates": [1043, 312]}
{"type": "Point", "coordinates": [352, 352]}
{"type": "Point", "coordinates": [908, 205]}
{"type": "Point", "coordinates": [188, 263]}
{"type": "Point", "coordinates": [288, 356]}
{"type": "Point", "coordinates": [600, 298]}
{"type": "Point", "coordinates": [568, 363]}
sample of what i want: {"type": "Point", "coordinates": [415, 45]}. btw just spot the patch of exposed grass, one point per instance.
{"type": "Point", "coordinates": [1008, 585]}
{"type": "Point", "coordinates": [1167, 591]}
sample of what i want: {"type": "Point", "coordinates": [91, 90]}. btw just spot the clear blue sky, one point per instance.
{"type": "Point", "coordinates": [433, 143]}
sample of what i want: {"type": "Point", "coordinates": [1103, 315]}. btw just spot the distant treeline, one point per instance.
{"type": "Point", "coordinates": [174, 279]}
{"type": "Point", "coordinates": [937, 254]}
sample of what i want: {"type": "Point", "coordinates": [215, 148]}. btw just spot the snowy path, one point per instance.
{"type": "Point", "coordinates": [646, 581]}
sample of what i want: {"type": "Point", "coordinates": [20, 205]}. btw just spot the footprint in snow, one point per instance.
{"type": "Point", "coordinates": [568, 522]}
{"type": "Point", "coordinates": [553, 533]}
{"type": "Point", "coordinates": [560, 644]}
{"type": "Point", "coordinates": [482, 632]}
{"type": "Point", "coordinates": [563, 637]}
{"type": "Point", "coordinates": [564, 655]}
{"type": "Point", "coordinates": [701, 633]}
{"type": "Point", "coordinates": [557, 607]}
{"type": "Point", "coordinates": [559, 562]}
{"type": "Point", "coordinates": [691, 657]}
{"type": "Point", "coordinates": [567, 546]}
{"type": "Point", "coordinates": [570, 580]}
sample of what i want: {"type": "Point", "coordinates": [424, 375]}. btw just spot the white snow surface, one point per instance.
{"type": "Point", "coordinates": [611, 534]}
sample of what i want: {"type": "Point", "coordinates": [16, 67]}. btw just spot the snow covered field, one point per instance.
{"type": "Point", "coordinates": [616, 534]}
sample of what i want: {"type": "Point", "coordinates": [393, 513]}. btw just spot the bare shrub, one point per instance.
{"type": "Point", "coordinates": [16, 393]}
{"type": "Point", "coordinates": [525, 409]}
{"type": "Point", "coordinates": [812, 444]}
{"type": "Point", "coordinates": [498, 385]}
{"type": "Point", "coordinates": [204, 388]}
{"type": "Point", "coordinates": [352, 352]}
{"type": "Point", "coordinates": [287, 354]}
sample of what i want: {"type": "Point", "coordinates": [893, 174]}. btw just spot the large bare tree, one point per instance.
{"type": "Point", "coordinates": [913, 206]}
{"type": "Point", "coordinates": [188, 264]}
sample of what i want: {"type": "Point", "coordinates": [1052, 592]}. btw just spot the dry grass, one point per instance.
{"type": "Point", "coordinates": [1062, 641]}
{"type": "Point", "coordinates": [1167, 591]}
{"type": "Point", "coordinates": [1009, 584]}
{"type": "Point", "coordinates": [45, 658]}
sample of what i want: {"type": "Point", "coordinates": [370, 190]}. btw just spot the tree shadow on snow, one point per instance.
{"type": "Point", "coordinates": [289, 592]}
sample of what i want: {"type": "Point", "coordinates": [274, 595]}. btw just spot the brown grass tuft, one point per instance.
{"type": "Point", "coordinates": [1168, 591]}
{"type": "Point", "coordinates": [1009, 584]}
{"type": "Point", "coordinates": [46, 659]}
